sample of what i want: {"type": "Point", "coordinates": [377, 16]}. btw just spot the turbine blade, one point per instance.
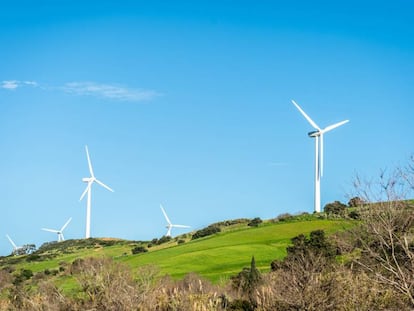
{"type": "Point", "coordinates": [168, 232]}
{"type": "Point", "coordinates": [103, 185]}
{"type": "Point", "coordinates": [89, 162]}
{"type": "Point", "coordinates": [50, 230]}
{"type": "Point", "coordinates": [64, 226]}
{"type": "Point", "coordinates": [181, 226]}
{"type": "Point", "coordinates": [86, 190]}
{"type": "Point", "coordinates": [331, 127]}
{"type": "Point", "coordinates": [11, 241]}
{"type": "Point", "coordinates": [306, 116]}
{"type": "Point", "coordinates": [62, 238]}
{"type": "Point", "coordinates": [166, 217]}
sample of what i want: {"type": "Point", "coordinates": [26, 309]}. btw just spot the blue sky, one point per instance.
{"type": "Point", "coordinates": [187, 104]}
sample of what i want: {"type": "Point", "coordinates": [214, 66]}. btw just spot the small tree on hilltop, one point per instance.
{"type": "Point", "coordinates": [255, 222]}
{"type": "Point", "coordinates": [355, 202]}
{"type": "Point", "coordinates": [335, 208]}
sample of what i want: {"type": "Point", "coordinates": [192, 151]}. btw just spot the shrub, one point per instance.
{"type": "Point", "coordinates": [255, 222]}
{"type": "Point", "coordinates": [355, 202]}
{"type": "Point", "coordinates": [139, 249]}
{"type": "Point", "coordinates": [164, 239]}
{"type": "Point", "coordinates": [212, 229]}
{"type": "Point", "coordinates": [335, 208]}
{"type": "Point", "coordinates": [284, 217]}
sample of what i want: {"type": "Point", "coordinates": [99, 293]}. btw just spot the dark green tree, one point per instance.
{"type": "Point", "coordinates": [335, 208]}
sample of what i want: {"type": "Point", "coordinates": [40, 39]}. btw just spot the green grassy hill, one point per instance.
{"type": "Point", "coordinates": [215, 257]}
{"type": "Point", "coordinates": [226, 253]}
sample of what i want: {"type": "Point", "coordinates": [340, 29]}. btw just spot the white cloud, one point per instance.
{"type": "Point", "coordinates": [10, 84]}
{"type": "Point", "coordinates": [32, 83]}
{"type": "Point", "coordinates": [108, 91]}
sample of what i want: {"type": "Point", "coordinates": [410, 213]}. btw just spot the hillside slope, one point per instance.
{"type": "Point", "coordinates": [215, 257]}
{"type": "Point", "coordinates": [226, 253]}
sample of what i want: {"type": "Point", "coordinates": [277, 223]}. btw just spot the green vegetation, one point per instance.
{"type": "Point", "coordinates": [226, 253]}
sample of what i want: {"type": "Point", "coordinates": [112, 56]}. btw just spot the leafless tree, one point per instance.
{"type": "Point", "coordinates": [385, 236]}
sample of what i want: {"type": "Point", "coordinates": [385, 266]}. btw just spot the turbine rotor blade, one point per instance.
{"type": "Point", "coordinates": [166, 217]}
{"type": "Point", "coordinates": [86, 190]}
{"type": "Point", "coordinates": [11, 241]}
{"type": "Point", "coordinates": [331, 127]}
{"type": "Point", "coordinates": [180, 226]}
{"type": "Point", "coordinates": [103, 185]}
{"type": "Point", "coordinates": [64, 226]}
{"type": "Point", "coordinates": [89, 162]}
{"type": "Point", "coordinates": [50, 230]}
{"type": "Point", "coordinates": [314, 125]}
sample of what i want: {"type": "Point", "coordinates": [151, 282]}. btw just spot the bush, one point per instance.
{"type": "Point", "coordinates": [335, 208]}
{"type": "Point", "coordinates": [164, 239]}
{"type": "Point", "coordinates": [212, 229]}
{"type": "Point", "coordinates": [255, 222]}
{"type": "Point", "coordinates": [355, 202]}
{"type": "Point", "coordinates": [138, 250]}
{"type": "Point", "coordinates": [284, 217]}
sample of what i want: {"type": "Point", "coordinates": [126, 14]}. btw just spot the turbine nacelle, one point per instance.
{"type": "Point", "coordinates": [87, 179]}
{"type": "Point", "coordinates": [314, 134]}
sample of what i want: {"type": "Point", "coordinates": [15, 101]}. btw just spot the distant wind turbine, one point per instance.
{"type": "Point", "coordinates": [318, 135]}
{"type": "Point", "coordinates": [90, 180]}
{"type": "Point", "coordinates": [169, 226]}
{"type": "Point", "coordinates": [60, 236]}
{"type": "Point", "coordinates": [16, 249]}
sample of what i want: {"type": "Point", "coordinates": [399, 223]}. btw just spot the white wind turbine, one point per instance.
{"type": "Point", "coordinates": [90, 180]}
{"type": "Point", "coordinates": [16, 249]}
{"type": "Point", "coordinates": [60, 236]}
{"type": "Point", "coordinates": [318, 135]}
{"type": "Point", "coordinates": [170, 225]}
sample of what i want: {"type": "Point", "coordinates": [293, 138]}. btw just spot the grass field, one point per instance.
{"type": "Point", "coordinates": [215, 257]}
{"type": "Point", "coordinates": [225, 254]}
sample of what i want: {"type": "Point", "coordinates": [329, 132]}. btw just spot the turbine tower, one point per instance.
{"type": "Point", "coordinates": [60, 236]}
{"type": "Point", "coordinates": [90, 180]}
{"type": "Point", "coordinates": [318, 135]}
{"type": "Point", "coordinates": [169, 226]}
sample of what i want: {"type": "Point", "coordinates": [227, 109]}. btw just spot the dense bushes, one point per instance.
{"type": "Point", "coordinates": [255, 222]}
{"type": "Point", "coordinates": [206, 232]}
{"type": "Point", "coordinates": [335, 208]}
{"type": "Point", "coordinates": [139, 249]}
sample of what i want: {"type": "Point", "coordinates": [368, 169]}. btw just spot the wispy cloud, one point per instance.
{"type": "Point", "coordinates": [14, 84]}
{"type": "Point", "coordinates": [10, 84]}
{"type": "Point", "coordinates": [106, 91]}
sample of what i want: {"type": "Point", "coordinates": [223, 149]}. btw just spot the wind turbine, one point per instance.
{"type": "Point", "coordinates": [16, 249]}
{"type": "Point", "coordinates": [60, 236]}
{"type": "Point", "coordinates": [170, 225]}
{"type": "Point", "coordinates": [90, 180]}
{"type": "Point", "coordinates": [318, 135]}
